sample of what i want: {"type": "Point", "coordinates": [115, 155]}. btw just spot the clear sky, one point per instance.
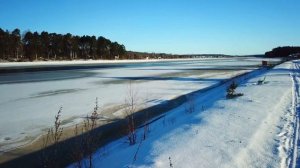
{"type": "Point", "coordinates": [170, 26]}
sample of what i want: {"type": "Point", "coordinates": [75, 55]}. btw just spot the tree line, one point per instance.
{"type": "Point", "coordinates": [30, 46]}
{"type": "Point", "coordinates": [284, 52]}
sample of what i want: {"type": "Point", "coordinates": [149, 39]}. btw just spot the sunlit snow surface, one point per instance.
{"type": "Point", "coordinates": [30, 100]}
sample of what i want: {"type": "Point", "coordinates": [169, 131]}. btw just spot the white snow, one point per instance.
{"type": "Point", "coordinates": [30, 100]}
{"type": "Point", "coordinates": [255, 130]}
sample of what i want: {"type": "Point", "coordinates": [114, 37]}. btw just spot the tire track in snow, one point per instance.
{"type": "Point", "coordinates": [291, 128]}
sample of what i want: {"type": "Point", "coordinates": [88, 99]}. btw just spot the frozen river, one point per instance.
{"type": "Point", "coordinates": [30, 100]}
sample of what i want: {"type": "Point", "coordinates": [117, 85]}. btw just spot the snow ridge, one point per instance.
{"type": "Point", "coordinates": [295, 108]}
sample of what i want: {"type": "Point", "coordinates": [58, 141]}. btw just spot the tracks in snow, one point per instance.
{"type": "Point", "coordinates": [289, 142]}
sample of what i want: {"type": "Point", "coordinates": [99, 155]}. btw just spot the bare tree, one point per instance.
{"type": "Point", "coordinates": [130, 109]}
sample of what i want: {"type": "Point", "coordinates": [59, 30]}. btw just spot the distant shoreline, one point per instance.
{"type": "Point", "coordinates": [12, 67]}
{"type": "Point", "coordinates": [4, 62]}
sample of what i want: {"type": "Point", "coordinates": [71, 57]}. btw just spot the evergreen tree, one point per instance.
{"type": "Point", "coordinates": [44, 45]}
{"type": "Point", "coordinates": [16, 43]}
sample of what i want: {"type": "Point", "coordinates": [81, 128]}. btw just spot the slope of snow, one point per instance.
{"type": "Point", "coordinates": [255, 130]}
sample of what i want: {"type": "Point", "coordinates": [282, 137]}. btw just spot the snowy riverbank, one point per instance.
{"type": "Point", "coordinates": [255, 130]}
{"type": "Point", "coordinates": [30, 100]}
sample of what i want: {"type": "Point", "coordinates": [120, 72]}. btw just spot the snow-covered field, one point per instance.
{"type": "Point", "coordinates": [30, 100]}
{"type": "Point", "coordinates": [259, 129]}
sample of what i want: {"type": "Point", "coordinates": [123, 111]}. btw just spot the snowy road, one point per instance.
{"type": "Point", "coordinates": [257, 130]}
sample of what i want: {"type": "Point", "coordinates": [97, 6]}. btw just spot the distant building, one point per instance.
{"type": "Point", "coordinates": [264, 63]}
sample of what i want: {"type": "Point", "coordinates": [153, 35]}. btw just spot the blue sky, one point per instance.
{"type": "Point", "coordinates": [171, 26]}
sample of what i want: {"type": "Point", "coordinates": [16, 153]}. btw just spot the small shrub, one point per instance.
{"type": "Point", "coordinates": [90, 139]}
{"type": "Point", "coordinates": [231, 91]}
{"type": "Point", "coordinates": [261, 81]}
{"type": "Point", "coordinates": [86, 145]}
{"type": "Point", "coordinates": [77, 153]}
{"type": "Point", "coordinates": [52, 138]}
{"type": "Point", "coordinates": [170, 162]}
